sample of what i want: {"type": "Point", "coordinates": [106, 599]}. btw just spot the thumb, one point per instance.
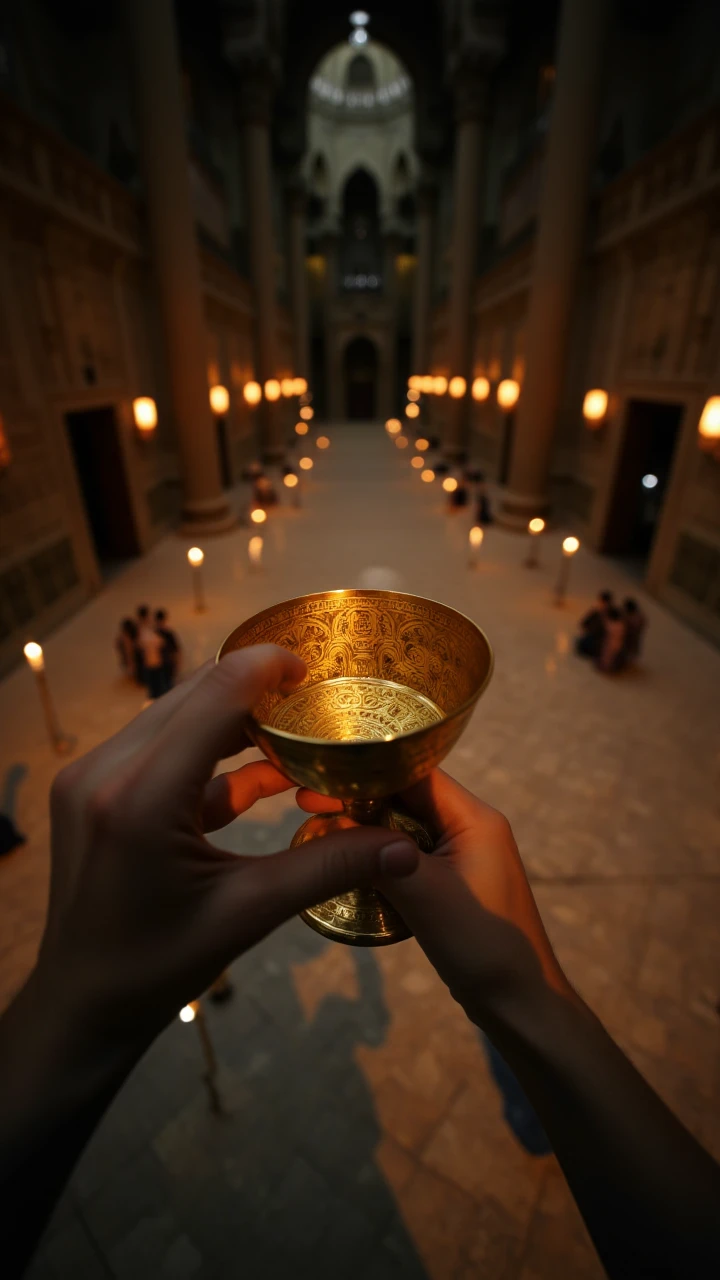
{"type": "Point", "coordinates": [270, 890]}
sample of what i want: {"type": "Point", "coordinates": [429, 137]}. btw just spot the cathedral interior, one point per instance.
{"type": "Point", "coordinates": [422, 299]}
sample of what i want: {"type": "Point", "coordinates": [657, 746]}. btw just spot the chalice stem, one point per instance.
{"type": "Point", "coordinates": [371, 813]}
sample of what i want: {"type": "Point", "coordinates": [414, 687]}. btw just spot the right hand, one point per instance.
{"type": "Point", "coordinates": [469, 903]}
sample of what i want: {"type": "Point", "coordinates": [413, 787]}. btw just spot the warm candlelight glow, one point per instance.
{"type": "Point", "coordinates": [457, 387]}
{"type": "Point", "coordinates": [145, 414]}
{"type": "Point", "coordinates": [508, 393]}
{"type": "Point", "coordinates": [422, 444]}
{"type": "Point", "coordinates": [252, 393]}
{"type": "Point", "coordinates": [258, 515]}
{"type": "Point", "coordinates": [450, 484]}
{"type": "Point", "coordinates": [426, 385]}
{"type": "Point", "coordinates": [307, 412]}
{"type": "Point", "coordinates": [195, 556]}
{"type": "Point", "coordinates": [301, 428]}
{"type": "Point", "coordinates": [595, 406]}
{"type": "Point", "coordinates": [392, 426]}
{"type": "Point", "coordinates": [415, 382]}
{"type": "Point", "coordinates": [323, 442]}
{"type": "Point", "coordinates": [412, 410]}
{"type": "Point", "coordinates": [287, 386]}
{"type": "Point", "coordinates": [480, 388]}
{"type": "Point", "coordinates": [570, 546]}
{"type": "Point", "coordinates": [34, 654]}
{"type": "Point", "coordinates": [536, 525]}
{"type": "Point", "coordinates": [255, 549]}
{"type": "Point", "coordinates": [290, 480]}
{"type": "Point", "coordinates": [272, 389]}
{"type": "Point", "coordinates": [476, 536]}
{"type": "Point", "coordinates": [440, 385]}
{"type": "Point", "coordinates": [187, 1014]}
{"type": "Point", "coordinates": [401, 442]}
{"type": "Point", "coordinates": [428, 475]}
{"type": "Point", "coordinates": [305, 464]}
{"type": "Point", "coordinates": [413, 395]}
{"type": "Point", "coordinates": [300, 386]}
{"type": "Point", "coordinates": [709, 424]}
{"type": "Point", "coordinates": [417, 462]}
{"type": "Point", "coordinates": [219, 399]}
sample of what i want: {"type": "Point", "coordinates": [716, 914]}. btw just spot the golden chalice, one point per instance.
{"type": "Point", "coordinates": [392, 681]}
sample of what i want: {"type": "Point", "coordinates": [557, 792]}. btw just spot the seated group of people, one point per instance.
{"type": "Point", "coordinates": [149, 650]}
{"type": "Point", "coordinates": [612, 634]}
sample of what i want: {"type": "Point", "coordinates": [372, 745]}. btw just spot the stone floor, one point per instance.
{"type": "Point", "coordinates": [362, 1133]}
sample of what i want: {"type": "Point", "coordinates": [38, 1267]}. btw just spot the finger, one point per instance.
{"type": "Point", "coordinates": [443, 803]}
{"type": "Point", "coordinates": [232, 793]}
{"type": "Point", "coordinates": [270, 890]}
{"type": "Point", "coordinates": [313, 802]}
{"type": "Point", "coordinates": [210, 724]}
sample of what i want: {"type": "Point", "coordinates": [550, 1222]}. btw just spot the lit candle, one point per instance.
{"type": "Point", "coordinates": [196, 557]}
{"type": "Point", "coordinates": [475, 539]}
{"type": "Point", "coordinates": [535, 528]}
{"type": "Point", "coordinates": [258, 515]}
{"type": "Point", "coordinates": [60, 741]}
{"type": "Point", "coordinates": [569, 547]}
{"type": "Point", "coordinates": [255, 550]}
{"type": "Point", "coordinates": [292, 482]}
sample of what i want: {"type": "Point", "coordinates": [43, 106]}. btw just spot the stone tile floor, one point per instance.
{"type": "Point", "coordinates": [362, 1132]}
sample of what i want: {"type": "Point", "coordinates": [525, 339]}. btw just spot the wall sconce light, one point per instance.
{"type": "Point", "coordinates": [145, 416]}
{"type": "Point", "coordinates": [480, 388]}
{"type": "Point", "coordinates": [457, 387]}
{"type": "Point", "coordinates": [415, 382]}
{"type": "Point", "coordinates": [709, 427]}
{"type": "Point", "coordinates": [252, 393]}
{"type": "Point", "coordinates": [427, 385]}
{"type": "Point", "coordinates": [287, 386]}
{"type": "Point", "coordinates": [219, 399]}
{"type": "Point", "coordinates": [440, 384]}
{"type": "Point", "coordinates": [272, 389]}
{"type": "Point", "coordinates": [300, 386]}
{"type": "Point", "coordinates": [5, 450]}
{"type": "Point", "coordinates": [508, 393]}
{"type": "Point", "coordinates": [595, 407]}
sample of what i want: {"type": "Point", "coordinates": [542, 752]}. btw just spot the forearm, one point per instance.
{"type": "Point", "coordinates": [56, 1082]}
{"type": "Point", "coordinates": [649, 1193]}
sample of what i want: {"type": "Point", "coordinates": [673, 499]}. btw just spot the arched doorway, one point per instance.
{"type": "Point", "coordinates": [360, 368]}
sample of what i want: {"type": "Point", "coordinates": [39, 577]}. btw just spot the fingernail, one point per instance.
{"type": "Point", "coordinates": [398, 859]}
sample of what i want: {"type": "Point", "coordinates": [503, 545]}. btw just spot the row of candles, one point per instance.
{"type": "Point", "coordinates": [145, 414]}
{"type": "Point", "coordinates": [536, 526]}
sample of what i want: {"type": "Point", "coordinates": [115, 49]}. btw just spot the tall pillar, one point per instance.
{"type": "Point", "coordinates": [255, 104]}
{"type": "Point", "coordinates": [562, 218]}
{"type": "Point", "coordinates": [335, 389]}
{"type": "Point", "coordinates": [471, 97]}
{"type": "Point", "coordinates": [422, 297]}
{"type": "Point", "coordinates": [176, 261]}
{"type": "Point", "coordinates": [297, 204]}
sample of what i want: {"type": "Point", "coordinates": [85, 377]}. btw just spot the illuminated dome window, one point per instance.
{"type": "Point", "coordinates": [361, 81]}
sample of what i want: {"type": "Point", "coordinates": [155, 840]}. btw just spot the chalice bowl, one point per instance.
{"type": "Point", "coordinates": [392, 680]}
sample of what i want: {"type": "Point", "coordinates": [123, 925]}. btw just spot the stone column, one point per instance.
{"type": "Point", "coordinates": [422, 297]}
{"type": "Point", "coordinates": [298, 278]}
{"type": "Point", "coordinates": [471, 95]}
{"type": "Point", "coordinates": [175, 261]}
{"type": "Point", "coordinates": [562, 218]}
{"type": "Point", "coordinates": [255, 104]}
{"type": "Point", "coordinates": [335, 388]}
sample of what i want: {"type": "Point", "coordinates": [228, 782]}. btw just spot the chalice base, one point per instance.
{"type": "Point", "coordinates": [361, 918]}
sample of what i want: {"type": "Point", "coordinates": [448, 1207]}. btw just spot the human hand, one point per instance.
{"type": "Point", "coordinates": [144, 912]}
{"type": "Point", "coordinates": [469, 903]}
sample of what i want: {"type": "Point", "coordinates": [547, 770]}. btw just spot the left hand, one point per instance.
{"type": "Point", "coordinates": [144, 912]}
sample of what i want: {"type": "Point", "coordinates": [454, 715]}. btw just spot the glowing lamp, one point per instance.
{"type": "Point", "coordinates": [476, 536]}
{"type": "Point", "coordinates": [258, 515]}
{"type": "Point", "coordinates": [252, 393]}
{"type": "Point", "coordinates": [508, 393]}
{"type": "Point", "coordinates": [195, 556]}
{"type": "Point", "coordinates": [34, 654]}
{"type": "Point", "coordinates": [709, 424]}
{"type": "Point", "coordinates": [440, 385]}
{"type": "Point", "coordinates": [255, 550]}
{"type": "Point", "coordinates": [426, 385]}
{"type": "Point", "coordinates": [187, 1013]}
{"type": "Point", "coordinates": [322, 442]}
{"type": "Point", "coordinates": [290, 480]}
{"type": "Point", "coordinates": [305, 464]}
{"type": "Point", "coordinates": [422, 444]}
{"type": "Point", "coordinates": [570, 546]}
{"type": "Point", "coordinates": [145, 415]}
{"type": "Point", "coordinates": [219, 399]}
{"type": "Point", "coordinates": [307, 413]}
{"type": "Point", "coordinates": [301, 428]}
{"type": "Point", "coordinates": [413, 395]}
{"type": "Point", "coordinates": [415, 382]}
{"type": "Point", "coordinates": [272, 389]}
{"type": "Point", "coordinates": [412, 410]}
{"type": "Point", "coordinates": [300, 386]}
{"type": "Point", "coordinates": [480, 388]}
{"type": "Point", "coordinates": [401, 442]}
{"type": "Point", "coordinates": [457, 387]}
{"type": "Point", "coordinates": [392, 426]}
{"type": "Point", "coordinates": [450, 484]}
{"type": "Point", "coordinates": [418, 462]}
{"type": "Point", "coordinates": [536, 525]}
{"type": "Point", "coordinates": [595, 407]}
{"type": "Point", "coordinates": [428, 475]}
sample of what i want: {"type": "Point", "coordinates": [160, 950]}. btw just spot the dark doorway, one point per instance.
{"type": "Point", "coordinates": [360, 369]}
{"type": "Point", "coordinates": [506, 447]}
{"type": "Point", "coordinates": [93, 435]}
{"type": "Point", "coordinates": [641, 479]}
{"type": "Point", "coordinates": [223, 452]}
